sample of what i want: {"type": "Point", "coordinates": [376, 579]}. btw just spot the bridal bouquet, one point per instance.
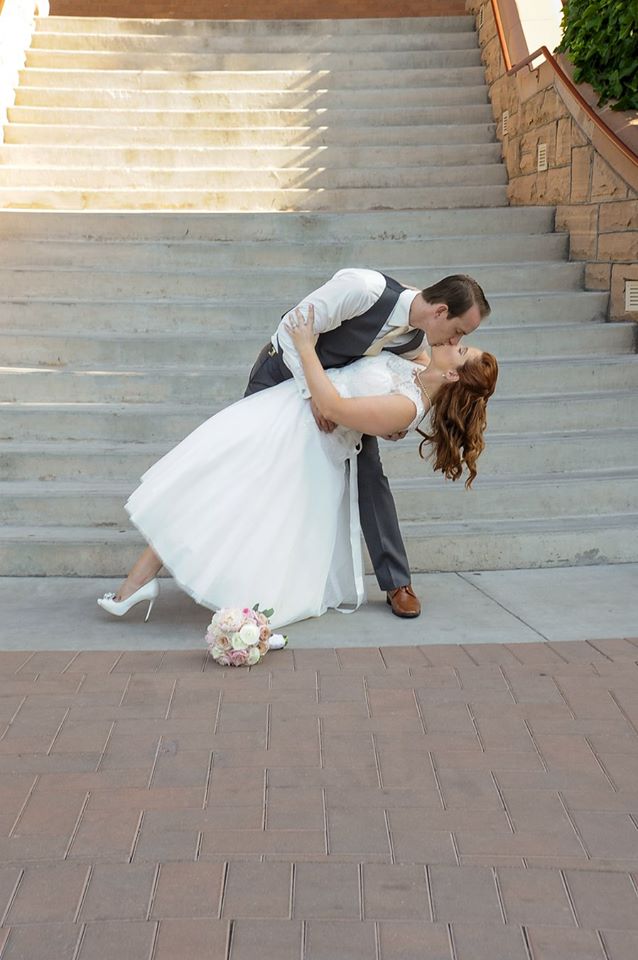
{"type": "Point", "coordinates": [241, 637]}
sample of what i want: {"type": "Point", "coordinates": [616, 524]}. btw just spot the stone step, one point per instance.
{"type": "Point", "coordinates": [288, 287]}
{"type": "Point", "coordinates": [147, 422]}
{"type": "Point", "coordinates": [235, 80]}
{"type": "Point", "coordinates": [437, 546]}
{"type": "Point", "coordinates": [257, 178]}
{"type": "Point", "coordinates": [191, 355]}
{"type": "Point", "coordinates": [47, 225]}
{"type": "Point", "coordinates": [322, 98]}
{"type": "Point", "coordinates": [520, 455]}
{"type": "Point", "coordinates": [317, 135]}
{"type": "Point", "coordinates": [388, 59]}
{"type": "Point", "coordinates": [367, 118]}
{"type": "Point", "coordinates": [93, 504]}
{"type": "Point", "coordinates": [330, 256]}
{"type": "Point", "coordinates": [437, 50]}
{"type": "Point", "coordinates": [219, 382]}
{"type": "Point", "coordinates": [292, 199]}
{"type": "Point", "coordinates": [302, 30]}
{"type": "Point", "coordinates": [165, 316]}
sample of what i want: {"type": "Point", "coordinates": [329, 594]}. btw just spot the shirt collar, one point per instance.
{"type": "Point", "coordinates": [401, 312]}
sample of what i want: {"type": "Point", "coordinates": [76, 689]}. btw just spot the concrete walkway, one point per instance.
{"type": "Point", "coordinates": [513, 606]}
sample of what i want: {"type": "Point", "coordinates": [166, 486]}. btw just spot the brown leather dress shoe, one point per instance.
{"type": "Point", "coordinates": [404, 602]}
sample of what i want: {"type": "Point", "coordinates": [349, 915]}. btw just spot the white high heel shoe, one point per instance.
{"type": "Point", "coordinates": [149, 591]}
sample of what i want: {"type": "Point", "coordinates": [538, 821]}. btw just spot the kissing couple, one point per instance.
{"type": "Point", "coordinates": [265, 502]}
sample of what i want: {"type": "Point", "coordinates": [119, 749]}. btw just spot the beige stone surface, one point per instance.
{"type": "Point", "coordinates": [564, 141]}
{"type": "Point", "coordinates": [528, 147]}
{"type": "Point", "coordinates": [618, 246]}
{"type": "Point", "coordinates": [605, 184]}
{"type": "Point", "coordinates": [597, 276]}
{"type": "Point", "coordinates": [581, 222]}
{"type": "Point", "coordinates": [581, 173]}
{"type": "Point", "coordinates": [577, 216]}
{"type": "Point", "coordinates": [543, 108]}
{"type": "Point", "coordinates": [618, 215]}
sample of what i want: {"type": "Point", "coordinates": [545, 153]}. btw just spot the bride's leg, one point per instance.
{"type": "Point", "coordinates": [147, 566]}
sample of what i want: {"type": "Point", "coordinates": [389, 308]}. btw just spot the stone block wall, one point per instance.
{"type": "Point", "coordinates": [596, 203]}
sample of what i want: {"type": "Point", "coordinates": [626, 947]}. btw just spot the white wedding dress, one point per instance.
{"type": "Point", "coordinates": [258, 506]}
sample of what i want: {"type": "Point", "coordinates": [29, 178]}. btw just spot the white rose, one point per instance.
{"type": "Point", "coordinates": [249, 634]}
{"type": "Point", "coordinates": [237, 641]}
{"type": "Point", "coordinates": [254, 656]}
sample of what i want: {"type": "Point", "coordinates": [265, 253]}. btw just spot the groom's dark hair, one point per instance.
{"type": "Point", "coordinates": [459, 292]}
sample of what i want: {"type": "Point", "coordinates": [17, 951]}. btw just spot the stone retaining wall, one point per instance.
{"type": "Point", "coordinates": [596, 203]}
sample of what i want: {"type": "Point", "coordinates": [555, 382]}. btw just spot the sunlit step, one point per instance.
{"type": "Point", "coordinates": [303, 30]}
{"type": "Point", "coordinates": [366, 117]}
{"type": "Point", "coordinates": [316, 135]}
{"type": "Point", "coordinates": [329, 97]}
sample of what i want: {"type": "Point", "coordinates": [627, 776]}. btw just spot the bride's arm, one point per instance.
{"type": "Point", "coordinates": [377, 416]}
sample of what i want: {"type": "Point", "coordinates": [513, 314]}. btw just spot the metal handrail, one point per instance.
{"type": "Point", "coordinates": [554, 64]}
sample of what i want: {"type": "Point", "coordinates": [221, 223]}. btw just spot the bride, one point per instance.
{"type": "Point", "coordinates": [258, 506]}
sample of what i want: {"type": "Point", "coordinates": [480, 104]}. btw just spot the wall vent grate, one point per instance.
{"type": "Point", "coordinates": [541, 157]}
{"type": "Point", "coordinates": [631, 296]}
{"type": "Point", "coordinates": [505, 122]}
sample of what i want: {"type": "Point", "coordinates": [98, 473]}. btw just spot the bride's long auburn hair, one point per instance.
{"type": "Point", "coordinates": [459, 419]}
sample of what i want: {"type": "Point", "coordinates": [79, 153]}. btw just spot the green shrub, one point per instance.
{"type": "Point", "coordinates": [600, 37]}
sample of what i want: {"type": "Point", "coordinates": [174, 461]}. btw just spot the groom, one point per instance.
{"type": "Point", "coordinates": [360, 313]}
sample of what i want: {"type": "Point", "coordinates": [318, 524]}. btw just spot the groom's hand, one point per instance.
{"type": "Point", "coordinates": [396, 436]}
{"type": "Point", "coordinates": [326, 426]}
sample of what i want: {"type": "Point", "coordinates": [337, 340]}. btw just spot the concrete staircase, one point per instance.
{"type": "Point", "coordinates": [121, 331]}
{"type": "Point", "coordinates": [251, 115]}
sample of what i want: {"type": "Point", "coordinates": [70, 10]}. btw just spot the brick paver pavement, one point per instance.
{"type": "Point", "coordinates": [439, 803]}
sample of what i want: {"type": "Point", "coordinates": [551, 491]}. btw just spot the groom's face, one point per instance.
{"type": "Point", "coordinates": [443, 329]}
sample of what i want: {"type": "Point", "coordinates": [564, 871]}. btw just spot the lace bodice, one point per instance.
{"type": "Point", "coordinates": [378, 376]}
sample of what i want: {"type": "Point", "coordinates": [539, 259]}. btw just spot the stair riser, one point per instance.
{"type": "Point", "coordinates": [443, 49]}
{"type": "Point", "coordinates": [294, 228]}
{"type": "Point", "coordinates": [279, 255]}
{"type": "Point", "coordinates": [208, 80]}
{"type": "Point", "coordinates": [443, 76]}
{"type": "Point", "coordinates": [302, 30]}
{"type": "Point", "coordinates": [323, 200]}
{"type": "Point", "coordinates": [56, 135]}
{"type": "Point", "coordinates": [284, 288]}
{"type": "Point", "coordinates": [254, 119]}
{"type": "Point", "coordinates": [298, 99]}
{"type": "Point", "coordinates": [434, 553]}
{"type": "Point", "coordinates": [505, 416]}
{"type": "Point", "coordinates": [312, 178]}
{"type": "Point", "coordinates": [549, 498]}
{"type": "Point", "coordinates": [539, 455]}
{"type": "Point", "coordinates": [217, 385]}
{"type": "Point", "coordinates": [259, 317]}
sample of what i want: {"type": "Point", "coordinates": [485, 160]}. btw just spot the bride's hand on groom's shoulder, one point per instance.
{"type": "Point", "coordinates": [300, 328]}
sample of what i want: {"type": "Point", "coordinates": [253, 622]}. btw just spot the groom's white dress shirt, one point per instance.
{"type": "Point", "coordinates": [349, 293]}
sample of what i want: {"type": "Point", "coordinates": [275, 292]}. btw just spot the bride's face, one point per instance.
{"type": "Point", "coordinates": [448, 357]}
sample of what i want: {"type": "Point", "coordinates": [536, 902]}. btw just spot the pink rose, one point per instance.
{"type": "Point", "coordinates": [237, 658]}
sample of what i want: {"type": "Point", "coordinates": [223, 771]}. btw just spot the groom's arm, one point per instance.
{"type": "Point", "coordinates": [347, 294]}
